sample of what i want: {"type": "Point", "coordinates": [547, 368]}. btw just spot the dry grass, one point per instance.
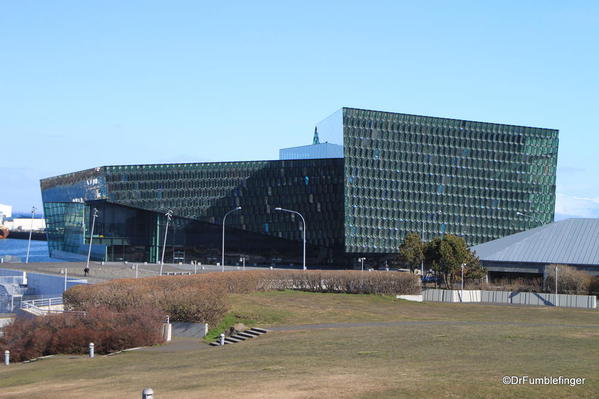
{"type": "Point", "coordinates": [203, 297]}
{"type": "Point", "coordinates": [293, 308]}
{"type": "Point", "coordinates": [412, 361]}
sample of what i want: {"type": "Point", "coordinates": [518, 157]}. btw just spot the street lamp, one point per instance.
{"type": "Point", "coordinates": [169, 215]}
{"type": "Point", "coordinates": [91, 236]}
{"type": "Point", "coordinates": [556, 297]}
{"type": "Point", "coordinates": [222, 264]}
{"type": "Point", "coordinates": [422, 261]}
{"type": "Point", "coordinates": [30, 232]}
{"type": "Point", "coordinates": [304, 221]}
{"type": "Point", "coordinates": [462, 299]}
{"type": "Point", "coordinates": [361, 260]}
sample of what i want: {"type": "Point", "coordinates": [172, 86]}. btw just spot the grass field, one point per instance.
{"type": "Point", "coordinates": [429, 360]}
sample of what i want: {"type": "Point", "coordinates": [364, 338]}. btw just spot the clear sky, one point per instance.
{"type": "Point", "coordinates": [85, 84]}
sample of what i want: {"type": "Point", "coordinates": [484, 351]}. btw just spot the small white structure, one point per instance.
{"type": "Point", "coordinates": [25, 224]}
{"type": "Point", "coordinates": [5, 212]}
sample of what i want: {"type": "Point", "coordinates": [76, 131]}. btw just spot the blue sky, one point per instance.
{"type": "Point", "coordinates": [86, 84]}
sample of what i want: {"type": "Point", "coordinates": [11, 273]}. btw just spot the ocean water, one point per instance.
{"type": "Point", "coordinates": [18, 248]}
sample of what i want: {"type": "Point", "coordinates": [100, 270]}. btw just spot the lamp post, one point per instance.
{"type": "Point", "coordinates": [169, 215]}
{"type": "Point", "coordinates": [304, 221]}
{"type": "Point", "coordinates": [556, 297]}
{"type": "Point", "coordinates": [422, 260]}
{"type": "Point", "coordinates": [462, 299]}
{"type": "Point", "coordinates": [30, 232]}
{"type": "Point", "coordinates": [222, 264]}
{"type": "Point", "coordinates": [361, 260]}
{"type": "Point", "coordinates": [91, 236]}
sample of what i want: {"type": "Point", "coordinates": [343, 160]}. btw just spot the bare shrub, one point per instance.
{"type": "Point", "coordinates": [28, 338]}
{"type": "Point", "coordinates": [203, 297]}
{"type": "Point", "coordinates": [190, 304]}
{"type": "Point", "coordinates": [569, 280]}
{"type": "Point", "coordinates": [594, 285]}
{"type": "Point", "coordinates": [518, 285]}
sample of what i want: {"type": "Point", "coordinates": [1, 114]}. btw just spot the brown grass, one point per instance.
{"type": "Point", "coordinates": [204, 297]}
{"type": "Point", "coordinates": [448, 361]}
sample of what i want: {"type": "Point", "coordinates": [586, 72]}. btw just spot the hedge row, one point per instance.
{"type": "Point", "coordinates": [203, 297]}
{"type": "Point", "coordinates": [71, 333]}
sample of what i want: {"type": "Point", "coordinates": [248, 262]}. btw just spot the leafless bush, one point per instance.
{"type": "Point", "coordinates": [569, 280]}
{"type": "Point", "coordinates": [203, 297]}
{"type": "Point", "coordinates": [594, 286]}
{"type": "Point", "coordinates": [534, 284]}
{"type": "Point", "coordinates": [28, 338]}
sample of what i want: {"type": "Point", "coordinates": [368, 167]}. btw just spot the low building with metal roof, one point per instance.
{"type": "Point", "coordinates": [573, 242]}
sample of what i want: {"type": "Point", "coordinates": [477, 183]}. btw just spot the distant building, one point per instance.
{"type": "Point", "coordinates": [5, 212]}
{"type": "Point", "coordinates": [25, 224]}
{"type": "Point", "coordinates": [314, 151]}
{"type": "Point", "coordinates": [377, 176]}
{"type": "Point", "coordinates": [573, 242]}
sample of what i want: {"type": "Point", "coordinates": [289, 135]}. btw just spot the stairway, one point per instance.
{"type": "Point", "coordinates": [241, 336]}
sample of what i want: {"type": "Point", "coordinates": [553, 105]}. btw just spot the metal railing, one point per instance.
{"type": "Point", "coordinates": [42, 306]}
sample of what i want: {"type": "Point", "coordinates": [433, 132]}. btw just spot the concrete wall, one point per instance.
{"type": "Point", "coordinates": [512, 298]}
{"type": "Point", "coordinates": [48, 285]}
{"type": "Point", "coordinates": [197, 330]}
{"type": "Point", "coordinates": [435, 295]}
{"type": "Point", "coordinates": [44, 284]}
{"type": "Point", "coordinates": [9, 272]}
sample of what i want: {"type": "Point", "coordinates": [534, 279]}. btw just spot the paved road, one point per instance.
{"type": "Point", "coordinates": [111, 270]}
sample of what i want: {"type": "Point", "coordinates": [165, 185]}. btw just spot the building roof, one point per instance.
{"type": "Point", "coordinates": [570, 241]}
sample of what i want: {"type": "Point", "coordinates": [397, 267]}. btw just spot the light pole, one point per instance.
{"type": "Point", "coordinates": [304, 221]}
{"type": "Point", "coordinates": [30, 232]}
{"type": "Point", "coordinates": [556, 300]}
{"type": "Point", "coordinates": [462, 299]}
{"type": "Point", "coordinates": [361, 260]}
{"type": "Point", "coordinates": [222, 263]}
{"type": "Point", "coordinates": [91, 236]}
{"type": "Point", "coordinates": [422, 260]}
{"type": "Point", "coordinates": [169, 215]}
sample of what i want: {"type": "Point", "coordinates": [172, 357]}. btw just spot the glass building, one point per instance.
{"type": "Point", "coordinates": [389, 174]}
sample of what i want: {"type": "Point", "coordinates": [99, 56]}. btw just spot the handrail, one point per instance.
{"type": "Point", "coordinates": [42, 306]}
{"type": "Point", "coordinates": [41, 302]}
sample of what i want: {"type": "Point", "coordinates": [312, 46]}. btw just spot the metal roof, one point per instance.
{"type": "Point", "coordinates": [570, 241]}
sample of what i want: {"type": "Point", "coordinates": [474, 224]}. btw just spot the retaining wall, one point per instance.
{"type": "Point", "coordinates": [512, 298]}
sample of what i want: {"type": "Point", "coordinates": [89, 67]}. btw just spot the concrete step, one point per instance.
{"type": "Point", "coordinates": [245, 334]}
{"type": "Point", "coordinates": [241, 336]}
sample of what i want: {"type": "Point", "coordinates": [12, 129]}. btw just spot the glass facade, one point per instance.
{"type": "Point", "coordinates": [399, 173]}
{"type": "Point", "coordinates": [204, 192]}
{"type": "Point", "coordinates": [435, 176]}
